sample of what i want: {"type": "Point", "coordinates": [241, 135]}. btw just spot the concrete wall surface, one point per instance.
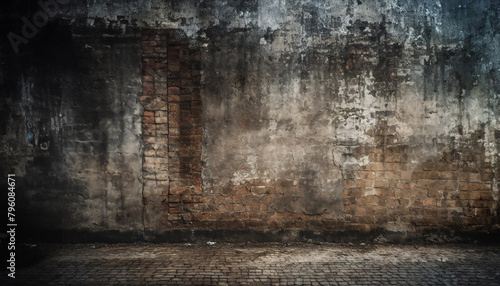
{"type": "Point", "coordinates": [251, 120]}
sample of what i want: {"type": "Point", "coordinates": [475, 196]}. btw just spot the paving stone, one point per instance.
{"type": "Point", "coordinates": [262, 264]}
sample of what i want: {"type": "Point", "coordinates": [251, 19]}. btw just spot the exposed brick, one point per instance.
{"type": "Point", "coordinates": [401, 193]}
{"type": "Point", "coordinates": [147, 120]}
{"type": "Point", "coordinates": [417, 193]}
{"type": "Point", "coordinates": [479, 186]}
{"type": "Point", "coordinates": [148, 114]}
{"type": "Point", "coordinates": [381, 184]}
{"type": "Point", "coordinates": [481, 204]}
{"type": "Point", "coordinates": [159, 95]}
{"type": "Point", "coordinates": [396, 166]}
{"type": "Point", "coordinates": [474, 195]}
{"type": "Point", "coordinates": [173, 91]}
{"type": "Point", "coordinates": [394, 175]}
{"type": "Point", "coordinates": [422, 175]}
{"type": "Point", "coordinates": [429, 202]}
{"type": "Point", "coordinates": [486, 195]}
{"type": "Point", "coordinates": [487, 177]}
{"type": "Point", "coordinates": [464, 195]}
{"type": "Point", "coordinates": [433, 193]}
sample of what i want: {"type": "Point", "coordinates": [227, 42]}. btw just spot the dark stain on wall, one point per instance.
{"type": "Point", "coordinates": [66, 116]}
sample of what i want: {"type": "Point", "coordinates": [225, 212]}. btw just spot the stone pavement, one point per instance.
{"type": "Point", "coordinates": [260, 264]}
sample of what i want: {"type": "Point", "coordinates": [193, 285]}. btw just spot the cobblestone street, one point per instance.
{"type": "Point", "coordinates": [261, 264]}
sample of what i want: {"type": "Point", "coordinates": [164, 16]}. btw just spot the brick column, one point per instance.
{"type": "Point", "coordinates": [171, 131]}
{"type": "Point", "coordinates": [154, 126]}
{"type": "Point", "coordinates": [184, 143]}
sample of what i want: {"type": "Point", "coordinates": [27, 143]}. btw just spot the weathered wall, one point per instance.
{"type": "Point", "coordinates": [70, 131]}
{"type": "Point", "coordinates": [354, 115]}
{"type": "Point", "coordinates": [316, 115]}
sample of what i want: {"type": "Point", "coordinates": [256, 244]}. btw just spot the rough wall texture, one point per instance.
{"type": "Point", "coordinates": [71, 129]}
{"type": "Point", "coordinates": [257, 115]}
{"type": "Point", "coordinates": [171, 131]}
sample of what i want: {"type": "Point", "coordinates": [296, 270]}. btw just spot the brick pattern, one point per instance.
{"type": "Point", "coordinates": [253, 204]}
{"type": "Point", "coordinates": [262, 264]}
{"type": "Point", "coordinates": [171, 125]}
{"type": "Point", "coordinates": [184, 124]}
{"type": "Point", "coordinates": [154, 122]}
{"type": "Point", "coordinates": [246, 204]}
{"type": "Point", "coordinates": [454, 189]}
